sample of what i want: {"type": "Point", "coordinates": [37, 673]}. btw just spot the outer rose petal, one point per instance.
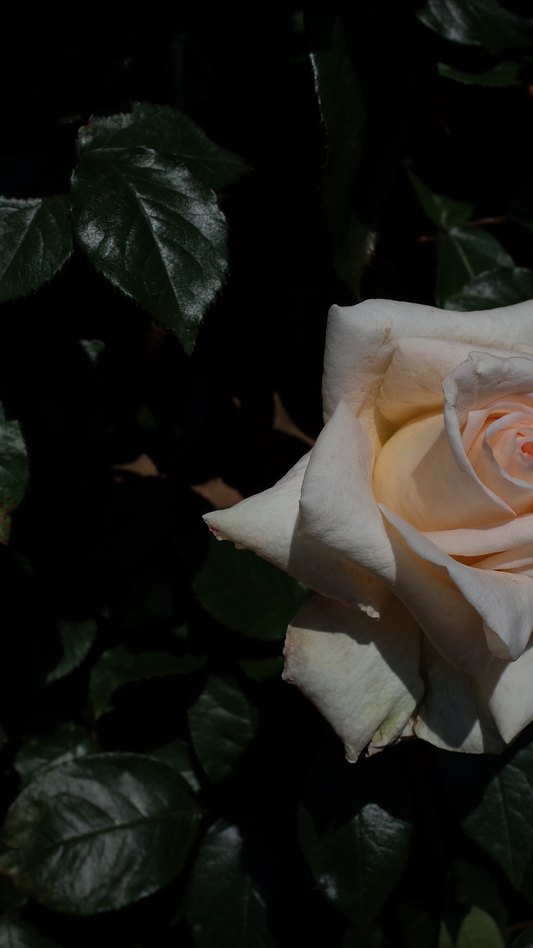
{"type": "Point", "coordinates": [360, 344]}
{"type": "Point", "coordinates": [267, 523]}
{"type": "Point", "coordinates": [338, 510]}
{"type": "Point", "coordinates": [362, 676]}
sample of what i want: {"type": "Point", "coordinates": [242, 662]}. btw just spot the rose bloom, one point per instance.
{"type": "Point", "coordinates": [412, 518]}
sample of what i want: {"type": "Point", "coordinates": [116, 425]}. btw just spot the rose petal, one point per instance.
{"type": "Point", "coordinates": [484, 539]}
{"type": "Point", "coordinates": [503, 600]}
{"type": "Point", "coordinates": [360, 344]}
{"type": "Point", "coordinates": [267, 523]}
{"type": "Point", "coordinates": [338, 510]}
{"type": "Point", "coordinates": [454, 714]}
{"type": "Point", "coordinates": [362, 675]}
{"type": "Point", "coordinates": [506, 688]}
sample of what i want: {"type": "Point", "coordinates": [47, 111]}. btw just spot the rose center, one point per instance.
{"type": "Point", "coordinates": [527, 448]}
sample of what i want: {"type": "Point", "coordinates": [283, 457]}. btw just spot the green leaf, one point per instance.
{"type": "Point", "coordinates": [416, 927]}
{"type": "Point", "coordinates": [502, 824]}
{"type": "Point", "coordinates": [443, 211]}
{"type": "Point", "coordinates": [464, 253]}
{"type": "Point", "coordinates": [246, 593]}
{"type": "Point", "coordinates": [221, 725]}
{"type": "Point", "coordinates": [474, 886]}
{"type": "Point", "coordinates": [118, 666]}
{"type": "Point", "coordinates": [176, 754]}
{"type": "Point", "coordinates": [36, 240]}
{"type": "Point", "coordinates": [153, 230]}
{"type": "Point", "coordinates": [67, 742]}
{"type": "Point", "coordinates": [343, 113]}
{"type": "Point", "coordinates": [76, 640]}
{"type": "Point", "coordinates": [503, 74]}
{"type": "Point", "coordinates": [478, 930]}
{"type": "Point", "coordinates": [167, 130]}
{"type": "Point", "coordinates": [525, 940]}
{"type": "Point", "coordinates": [99, 833]}
{"type": "Point", "coordinates": [477, 23]}
{"type": "Point", "coordinates": [499, 287]}
{"type": "Point", "coordinates": [237, 914]}
{"type": "Point", "coordinates": [15, 933]}
{"type": "Point", "coordinates": [14, 471]}
{"type": "Point", "coordinates": [262, 669]}
{"type": "Point", "coordinates": [355, 830]}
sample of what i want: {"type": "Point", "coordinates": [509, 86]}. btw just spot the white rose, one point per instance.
{"type": "Point", "coordinates": [420, 486]}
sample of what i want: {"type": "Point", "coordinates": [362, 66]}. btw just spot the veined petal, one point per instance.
{"type": "Point", "coordinates": [339, 511]}
{"type": "Point", "coordinates": [362, 675]}
{"type": "Point", "coordinates": [267, 523]}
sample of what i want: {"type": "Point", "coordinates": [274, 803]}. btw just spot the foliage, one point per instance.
{"type": "Point", "coordinates": [164, 304]}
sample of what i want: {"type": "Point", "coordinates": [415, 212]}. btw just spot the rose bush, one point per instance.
{"type": "Point", "coordinates": [412, 518]}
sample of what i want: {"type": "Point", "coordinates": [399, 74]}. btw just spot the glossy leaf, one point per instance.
{"type": "Point", "coordinates": [14, 471]}
{"type": "Point", "coordinates": [237, 914]}
{"type": "Point", "coordinates": [153, 230]}
{"type": "Point", "coordinates": [176, 754]}
{"type": "Point", "coordinates": [16, 933]}
{"type": "Point", "coordinates": [76, 640]}
{"type": "Point", "coordinates": [477, 23]}
{"type": "Point", "coordinates": [221, 725]}
{"type": "Point", "coordinates": [167, 130]}
{"type": "Point", "coordinates": [463, 253]}
{"type": "Point", "coordinates": [443, 211]}
{"type": "Point", "coordinates": [355, 830]}
{"type": "Point", "coordinates": [118, 666]}
{"type": "Point", "coordinates": [342, 108]}
{"type": "Point", "coordinates": [36, 240]}
{"type": "Point", "coordinates": [246, 593]}
{"type": "Point", "coordinates": [67, 742]}
{"type": "Point", "coordinates": [502, 824]}
{"type": "Point", "coordinates": [478, 930]}
{"type": "Point", "coordinates": [499, 287]}
{"type": "Point", "coordinates": [503, 74]}
{"type": "Point", "coordinates": [99, 833]}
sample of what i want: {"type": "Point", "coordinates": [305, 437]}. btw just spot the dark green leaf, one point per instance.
{"type": "Point", "coordinates": [342, 109]}
{"type": "Point", "coordinates": [153, 230]}
{"type": "Point", "coordinates": [477, 23]}
{"type": "Point", "coordinates": [118, 666]}
{"type": "Point", "coordinates": [504, 74]}
{"type": "Point", "coordinates": [525, 940]}
{"type": "Point", "coordinates": [167, 130]}
{"type": "Point", "coordinates": [221, 724]}
{"type": "Point", "coordinates": [464, 253]}
{"type": "Point", "coordinates": [10, 897]}
{"type": "Point", "coordinates": [14, 471]}
{"type": "Point", "coordinates": [99, 833]}
{"type": "Point", "coordinates": [416, 927]}
{"type": "Point", "coordinates": [355, 829]}
{"type": "Point", "coordinates": [76, 639]}
{"type": "Point", "coordinates": [443, 211]}
{"type": "Point", "coordinates": [262, 669]}
{"type": "Point", "coordinates": [15, 933]}
{"type": "Point", "coordinates": [499, 287]}
{"type": "Point", "coordinates": [246, 593]}
{"type": "Point", "coordinates": [478, 930]}
{"type": "Point", "coordinates": [67, 742]}
{"type": "Point", "coordinates": [474, 886]}
{"type": "Point", "coordinates": [93, 348]}
{"type": "Point", "coordinates": [176, 754]}
{"type": "Point", "coordinates": [502, 824]}
{"type": "Point", "coordinates": [237, 915]}
{"type": "Point", "coordinates": [35, 241]}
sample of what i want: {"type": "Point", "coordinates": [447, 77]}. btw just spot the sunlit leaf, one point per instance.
{"type": "Point", "coordinates": [35, 242]}
{"type": "Point", "coordinates": [99, 833]}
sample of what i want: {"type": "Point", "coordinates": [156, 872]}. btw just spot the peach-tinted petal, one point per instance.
{"type": "Point", "coordinates": [362, 675]}
{"type": "Point", "coordinates": [360, 344]}
{"type": "Point", "coordinates": [339, 511]}
{"type": "Point", "coordinates": [267, 523]}
{"type": "Point", "coordinates": [503, 600]}
{"type": "Point", "coordinates": [484, 539]}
